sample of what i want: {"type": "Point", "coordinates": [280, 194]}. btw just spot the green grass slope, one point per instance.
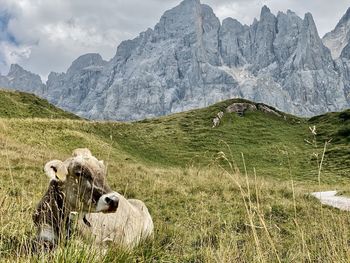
{"type": "Point", "coordinates": [180, 166]}
{"type": "Point", "coordinates": [278, 147]}
{"type": "Point", "coordinates": [335, 127]}
{"type": "Point", "coordinates": [16, 104]}
{"type": "Point", "coordinates": [275, 146]}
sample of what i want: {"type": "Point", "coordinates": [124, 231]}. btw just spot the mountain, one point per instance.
{"type": "Point", "coordinates": [69, 90]}
{"type": "Point", "coordinates": [191, 60]}
{"type": "Point", "coordinates": [22, 79]}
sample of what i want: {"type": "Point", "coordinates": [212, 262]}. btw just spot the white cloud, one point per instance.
{"type": "Point", "coordinates": [11, 54]}
{"type": "Point", "coordinates": [52, 33]}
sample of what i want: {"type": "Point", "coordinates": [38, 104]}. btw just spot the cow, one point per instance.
{"type": "Point", "coordinates": [79, 185]}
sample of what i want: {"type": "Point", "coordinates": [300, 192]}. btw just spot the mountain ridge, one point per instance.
{"type": "Point", "coordinates": [191, 60]}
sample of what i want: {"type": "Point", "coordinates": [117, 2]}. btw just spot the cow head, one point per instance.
{"type": "Point", "coordinates": [84, 182]}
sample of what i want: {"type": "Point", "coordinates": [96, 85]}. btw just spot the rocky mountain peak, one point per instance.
{"type": "Point", "coordinates": [311, 54]}
{"type": "Point", "coordinates": [310, 30]}
{"type": "Point", "coordinates": [310, 23]}
{"type": "Point", "coordinates": [231, 21]}
{"type": "Point", "coordinates": [265, 11]}
{"type": "Point", "coordinates": [290, 12]}
{"type": "Point", "coordinates": [339, 37]}
{"type": "Point", "coordinates": [15, 69]}
{"type": "Point", "coordinates": [190, 3]}
{"type": "Point", "coordinates": [190, 17]}
{"type": "Point", "coordinates": [22, 79]}
{"type": "Point", "coordinates": [345, 18]}
{"type": "Point", "coordinates": [85, 61]}
{"type": "Point", "coordinates": [264, 32]}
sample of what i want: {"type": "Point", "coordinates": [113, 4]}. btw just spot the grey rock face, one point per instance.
{"type": "Point", "coordinates": [231, 42]}
{"type": "Point", "coordinates": [190, 60]}
{"type": "Point", "coordinates": [338, 38]}
{"type": "Point", "coordinates": [22, 80]}
{"type": "Point", "coordinates": [69, 90]}
{"type": "Point", "coordinates": [264, 35]}
{"type": "Point", "coordinates": [289, 27]}
{"type": "Point", "coordinates": [346, 52]}
{"type": "Point", "coordinates": [240, 108]}
{"type": "Point", "coordinates": [173, 68]}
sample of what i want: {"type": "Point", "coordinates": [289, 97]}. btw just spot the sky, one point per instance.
{"type": "Point", "coordinates": [47, 35]}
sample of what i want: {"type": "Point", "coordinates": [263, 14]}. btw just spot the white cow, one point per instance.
{"type": "Point", "coordinates": [79, 185]}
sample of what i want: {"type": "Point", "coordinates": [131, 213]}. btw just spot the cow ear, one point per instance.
{"type": "Point", "coordinates": [56, 170]}
{"type": "Point", "coordinates": [102, 162]}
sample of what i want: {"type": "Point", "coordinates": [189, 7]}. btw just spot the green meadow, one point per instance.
{"type": "Point", "coordinates": [235, 193]}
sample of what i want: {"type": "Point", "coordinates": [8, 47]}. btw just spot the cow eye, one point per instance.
{"type": "Point", "coordinates": [78, 174]}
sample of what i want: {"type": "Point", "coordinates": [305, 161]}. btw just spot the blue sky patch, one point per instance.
{"type": "Point", "coordinates": [5, 35]}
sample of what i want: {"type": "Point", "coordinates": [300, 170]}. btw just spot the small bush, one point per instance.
{"type": "Point", "coordinates": [344, 132]}
{"type": "Point", "coordinates": [345, 116]}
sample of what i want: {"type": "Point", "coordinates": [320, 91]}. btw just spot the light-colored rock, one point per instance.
{"type": "Point", "coordinates": [216, 122]}
{"type": "Point", "coordinates": [268, 110]}
{"type": "Point", "coordinates": [339, 37]}
{"type": "Point", "coordinates": [240, 108]}
{"type": "Point", "coordinates": [217, 119]}
{"type": "Point", "coordinates": [220, 114]}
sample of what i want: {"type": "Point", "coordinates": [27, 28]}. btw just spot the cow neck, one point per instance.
{"type": "Point", "coordinates": [60, 211]}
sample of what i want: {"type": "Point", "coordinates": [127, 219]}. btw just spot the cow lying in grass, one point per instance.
{"type": "Point", "coordinates": [79, 185]}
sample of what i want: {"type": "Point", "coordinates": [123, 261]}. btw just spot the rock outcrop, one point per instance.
{"type": "Point", "coordinates": [241, 107]}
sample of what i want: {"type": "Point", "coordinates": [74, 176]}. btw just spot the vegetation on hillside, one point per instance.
{"type": "Point", "coordinates": [16, 104]}
{"type": "Point", "coordinates": [335, 127]}
{"type": "Point", "coordinates": [236, 193]}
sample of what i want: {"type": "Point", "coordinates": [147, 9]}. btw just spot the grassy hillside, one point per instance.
{"type": "Point", "coordinates": [335, 127]}
{"type": "Point", "coordinates": [203, 210]}
{"type": "Point", "coordinates": [16, 104]}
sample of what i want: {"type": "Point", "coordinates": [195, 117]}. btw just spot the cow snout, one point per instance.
{"type": "Point", "coordinates": [108, 203]}
{"type": "Point", "coordinates": [113, 202]}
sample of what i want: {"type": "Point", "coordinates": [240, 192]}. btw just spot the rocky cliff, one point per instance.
{"type": "Point", "coordinates": [21, 79]}
{"type": "Point", "coordinates": [190, 60]}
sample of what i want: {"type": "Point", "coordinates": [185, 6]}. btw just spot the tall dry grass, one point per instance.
{"type": "Point", "coordinates": [200, 215]}
{"type": "Point", "coordinates": [214, 213]}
